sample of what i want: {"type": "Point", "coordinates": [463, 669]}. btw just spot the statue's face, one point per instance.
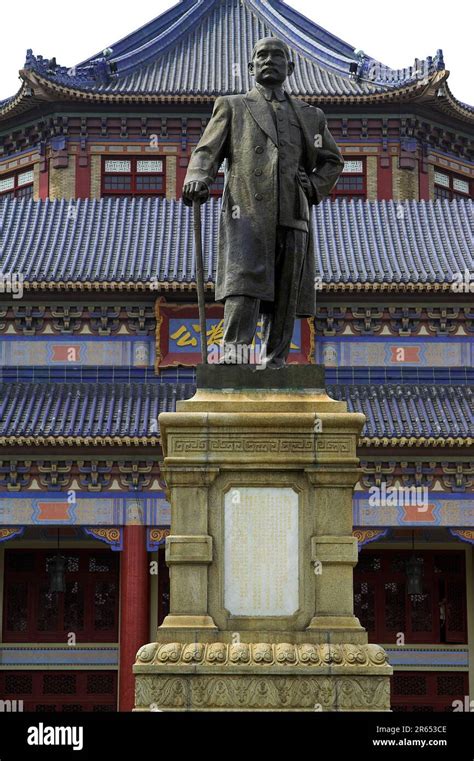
{"type": "Point", "coordinates": [270, 64]}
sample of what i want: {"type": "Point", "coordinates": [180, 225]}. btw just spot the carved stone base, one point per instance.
{"type": "Point", "coordinates": [261, 677]}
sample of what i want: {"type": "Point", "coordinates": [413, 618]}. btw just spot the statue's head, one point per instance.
{"type": "Point", "coordinates": [271, 63]}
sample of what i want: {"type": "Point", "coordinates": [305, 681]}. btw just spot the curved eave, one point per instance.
{"type": "Point", "coordinates": [49, 89]}
{"type": "Point", "coordinates": [448, 104]}
{"type": "Point", "coordinates": [417, 441]}
{"type": "Point", "coordinates": [22, 101]}
{"type": "Point", "coordinates": [175, 286]}
{"type": "Point", "coordinates": [422, 91]}
{"type": "Point", "coordinates": [80, 441]}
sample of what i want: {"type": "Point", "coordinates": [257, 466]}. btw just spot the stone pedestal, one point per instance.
{"type": "Point", "coordinates": [260, 467]}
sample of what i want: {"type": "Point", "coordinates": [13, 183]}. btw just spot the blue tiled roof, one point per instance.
{"type": "Point", "coordinates": [135, 241]}
{"type": "Point", "coordinates": [130, 409]}
{"type": "Point", "coordinates": [202, 47]}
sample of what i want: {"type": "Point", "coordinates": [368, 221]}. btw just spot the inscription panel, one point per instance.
{"type": "Point", "coordinates": [261, 551]}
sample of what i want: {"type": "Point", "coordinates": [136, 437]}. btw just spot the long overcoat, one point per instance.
{"type": "Point", "coordinates": [242, 130]}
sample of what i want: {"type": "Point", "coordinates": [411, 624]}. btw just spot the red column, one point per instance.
{"type": "Point", "coordinates": [134, 609]}
{"type": "Point", "coordinates": [384, 178]}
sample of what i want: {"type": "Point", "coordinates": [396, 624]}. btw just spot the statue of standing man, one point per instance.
{"type": "Point", "coordinates": [281, 159]}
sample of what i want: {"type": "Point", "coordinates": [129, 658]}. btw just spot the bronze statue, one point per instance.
{"type": "Point", "coordinates": [281, 159]}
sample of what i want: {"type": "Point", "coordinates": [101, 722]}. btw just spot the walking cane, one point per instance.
{"type": "Point", "coordinates": [200, 278]}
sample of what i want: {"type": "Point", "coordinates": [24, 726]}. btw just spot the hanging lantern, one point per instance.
{"type": "Point", "coordinates": [57, 574]}
{"type": "Point", "coordinates": [414, 569]}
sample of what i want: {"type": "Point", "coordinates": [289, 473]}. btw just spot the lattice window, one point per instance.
{"type": "Point", "coordinates": [409, 684]}
{"type": "Point", "coordinates": [438, 615]}
{"type": "Point", "coordinates": [353, 167]}
{"type": "Point", "coordinates": [149, 165]}
{"type": "Point", "coordinates": [17, 607]}
{"type": "Point", "coordinates": [55, 691]}
{"type": "Point", "coordinates": [105, 602]}
{"type": "Point", "coordinates": [100, 683]}
{"type": "Point", "coordinates": [461, 186]}
{"type": "Point", "coordinates": [74, 607]}
{"type": "Point", "coordinates": [368, 563]}
{"type": "Point", "coordinates": [395, 614]}
{"type": "Point", "coordinates": [18, 185]}
{"type": "Point", "coordinates": [18, 684]}
{"type": "Point", "coordinates": [100, 564]}
{"type": "Point", "coordinates": [118, 166]}
{"type": "Point", "coordinates": [352, 183]}
{"type": "Point", "coordinates": [48, 617]}
{"type": "Point", "coordinates": [88, 607]}
{"type": "Point", "coordinates": [450, 684]}
{"type": "Point", "coordinates": [7, 183]}
{"type": "Point", "coordinates": [133, 176]}
{"type": "Point", "coordinates": [364, 604]}
{"type": "Point", "coordinates": [451, 187]}
{"type": "Point", "coordinates": [427, 692]}
{"type": "Point", "coordinates": [59, 684]}
{"type": "Point", "coordinates": [441, 179]}
{"type": "Point", "coordinates": [25, 178]}
{"type": "Point", "coordinates": [422, 613]}
{"type": "Point", "coordinates": [442, 193]}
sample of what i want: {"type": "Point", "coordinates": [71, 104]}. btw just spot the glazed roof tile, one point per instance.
{"type": "Point", "coordinates": [151, 240]}
{"type": "Point", "coordinates": [201, 47]}
{"type": "Point", "coordinates": [131, 409]}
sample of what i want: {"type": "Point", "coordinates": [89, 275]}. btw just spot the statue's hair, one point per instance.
{"type": "Point", "coordinates": [274, 40]}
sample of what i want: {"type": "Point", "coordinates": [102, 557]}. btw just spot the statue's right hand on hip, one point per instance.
{"type": "Point", "coordinates": [195, 191]}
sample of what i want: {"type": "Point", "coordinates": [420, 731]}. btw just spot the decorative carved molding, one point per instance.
{"type": "Point", "coordinates": [11, 533]}
{"type": "Point", "coordinates": [156, 537]}
{"type": "Point", "coordinates": [262, 654]}
{"type": "Point", "coordinates": [95, 475]}
{"type": "Point", "coordinates": [55, 475]}
{"type": "Point", "coordinates": [111, 536]}
{"type": "Point", "coordinates": [141, 320]}
{"type": "Point", "coordinates": [15, 475]}
{"type": "Point", "coordinates": [104, 320]}
{"type": "Point", "coordinates": [28, 320]}
{"type": "Point", "coordinates": [263, 692]}
{"type": "Point", "coordinates": [374, 473]}
{"type": "Point", "coordinates": [135, 475]}
{"type": "Point", "coordinates": [464, 534]}
{"type": "Point", "coordinates": [67, 318]}
{"type": "Point", "coordinates": [251, 444]}
{"type": "Point", "coordinates": [365, 536]}
{"type": "Point", "coordinates": [458, 476]}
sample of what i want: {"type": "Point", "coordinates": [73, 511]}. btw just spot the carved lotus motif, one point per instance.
{"type": "Point", "coordinates": [193, 652]}
{"type": "Point", "coordinates": [217, 653]}
{"type": "Point", "coordinates": [147, 653]}
{"type": "Point", "coordinates": [332, 654]}
{"type": "Point", "coordinates": [308, 654]}
{"type": "Point", "coordinates": [239, 653]}
{"type": "Point", "coordinates": [285, 653]}
{"type": "Point", "coordinates": [169, 653]}
{"type": "Point", "coordinates": [377, 655]}
{"type": "Point", "coordinates": [355, 655]}
{"type": "Point", "coordinates": [262, 653]}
